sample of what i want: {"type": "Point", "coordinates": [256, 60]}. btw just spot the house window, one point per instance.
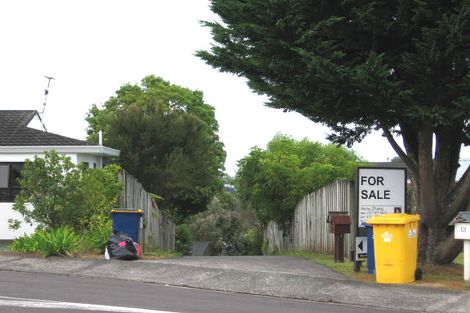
{"type": "Point", "coordinates": [9, 185]}
{"type": "Point", "coordinates": [4, 175]}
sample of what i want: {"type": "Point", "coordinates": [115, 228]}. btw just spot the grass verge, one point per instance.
{"type": "Point", "coordinates": [162, 254]}
{"type": "Point", "coordinates": [438, 276]}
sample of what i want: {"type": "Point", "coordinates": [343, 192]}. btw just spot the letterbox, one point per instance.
{"type": "Point", "coordinates": [462, 231]}
{"type": "Point", "coordinates": [340, 222]}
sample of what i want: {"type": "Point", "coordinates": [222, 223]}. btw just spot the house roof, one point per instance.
{"type": "Point", "coordinates": [14, 131]}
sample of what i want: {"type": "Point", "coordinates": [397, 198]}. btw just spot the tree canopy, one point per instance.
{"type": "Point", "coordinates": [274, 180]}
{"type": "Point", "coordinates": [168, 140]}
{"type": "Point", "coordinates": [399, 66]}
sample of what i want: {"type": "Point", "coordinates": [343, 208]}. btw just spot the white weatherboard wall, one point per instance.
{"type": "Point", "coordinates": [6, 213]}
{"type": "Point", "coordinates": [90, 159]}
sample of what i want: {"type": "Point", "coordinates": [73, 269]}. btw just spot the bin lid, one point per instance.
{"type": "Point", "coordinates": [394, 219]}
{"type": "Point", "coordinates": [127, 211]}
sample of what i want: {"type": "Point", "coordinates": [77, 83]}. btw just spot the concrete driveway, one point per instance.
{"type": "Point", "coordinates": [258, 264]}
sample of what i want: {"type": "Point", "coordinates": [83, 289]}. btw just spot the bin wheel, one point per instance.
{"type": "Point", "coordinates": [418, 274]}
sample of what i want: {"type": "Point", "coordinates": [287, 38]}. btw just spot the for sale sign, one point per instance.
{"type": "Point", "coordinates": [380, 191]}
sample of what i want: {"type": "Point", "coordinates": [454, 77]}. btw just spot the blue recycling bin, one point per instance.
{"type": "Point", "coordinates": [370, 250]}
{"type": "Point", "coordinates": [127, 221]}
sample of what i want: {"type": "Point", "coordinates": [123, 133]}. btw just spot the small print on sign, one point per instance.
{"type": "Point", "coordinates": [412, 233]}
{"type": "Point", "coordinates": [366, 213]}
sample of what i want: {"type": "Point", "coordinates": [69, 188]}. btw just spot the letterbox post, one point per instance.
{"type": "Point", "coordinates": [340, 224]}
{"type": "Point", "coordinates": [462, 231]}
{"type": "Point", "coordinates": [339, 248]}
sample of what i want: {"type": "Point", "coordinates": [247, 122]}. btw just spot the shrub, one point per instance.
{"type": "Point", "coordinates": [227, 227]}
{"type": "Point", "coordinates": [25, 244]}
{"type": "Point", "coordinates": [183, 239]}
{"type": "Point", "coordinates": [62, 194]}
{"type": "Point", "coordinates": [61, 241]}
{"type": "Point", "coordinates": [222, 228]}
{"type": "Point", "coordinates": [252, 242]}
{"type": "Point", "coordinates": [96, 237]}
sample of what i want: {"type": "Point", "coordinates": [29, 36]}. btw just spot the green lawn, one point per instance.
{"type": "Point", "coordinates": [346, 268]}
{"type": "Point", "coordinates": [459, 259]}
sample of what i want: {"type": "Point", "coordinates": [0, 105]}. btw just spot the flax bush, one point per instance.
{"type": "Point", "coordinates": [61, 241]}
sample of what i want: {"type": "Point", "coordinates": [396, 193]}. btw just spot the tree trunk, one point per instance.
{"type": "Point", "coordinates": [438, 196]}
{"type": "Point", "coordinates": [448, 250]}
{"type": "Point", "coordinates": [430, 240]}
{"type": "Point", "coordinates": [429, 234]}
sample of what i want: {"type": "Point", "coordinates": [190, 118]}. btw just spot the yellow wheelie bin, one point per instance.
{"type": "Point", "coordinates": [395, 247]}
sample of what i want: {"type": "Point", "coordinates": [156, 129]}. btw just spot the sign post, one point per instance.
{"type": "Point", "coordinates": [380, 190]}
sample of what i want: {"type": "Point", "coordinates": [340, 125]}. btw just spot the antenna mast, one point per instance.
{"type": "Point", "coordinates": [46, 92]}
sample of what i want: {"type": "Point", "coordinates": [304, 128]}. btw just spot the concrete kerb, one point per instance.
{"type": "Point", "coordinates": [322, 289]}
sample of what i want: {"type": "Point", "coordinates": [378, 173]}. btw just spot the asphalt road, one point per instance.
{"type": "Point", "coordinates": [24, 292]}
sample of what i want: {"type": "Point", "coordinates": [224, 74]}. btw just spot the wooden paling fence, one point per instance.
{"type": "Point", "coordinates": [158, 230]}
{"type": "Point", "coordinates": [275, 238]}
{"type": "Point", "coordinates": [309, 230]}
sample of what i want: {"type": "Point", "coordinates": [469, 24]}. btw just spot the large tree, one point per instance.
{"type": "Point", "coordinates": [402, 67]}
{"type": "Point", "coordinates": [274, 180]}
{"type": "Point", "coordinates": [168, 140]}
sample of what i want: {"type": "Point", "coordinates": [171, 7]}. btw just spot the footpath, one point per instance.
{"type": "Point", "coordinates": [287, 277]}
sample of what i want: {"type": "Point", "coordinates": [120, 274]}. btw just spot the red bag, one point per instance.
{"type": "Point", "coordinates": [138, 248]}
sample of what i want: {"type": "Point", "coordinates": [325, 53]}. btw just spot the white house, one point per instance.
{"type": "Point", "coordinates": [19, 142]}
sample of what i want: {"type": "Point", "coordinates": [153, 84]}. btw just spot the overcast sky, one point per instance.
{"type": "Point", "coordinates": [94, 47]}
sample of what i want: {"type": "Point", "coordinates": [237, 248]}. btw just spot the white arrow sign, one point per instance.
{"type": "Point", "coordinates": [361, 248]}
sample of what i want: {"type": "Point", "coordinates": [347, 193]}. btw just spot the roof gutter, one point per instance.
{"type": "Point", "coordinates": [95, 150]}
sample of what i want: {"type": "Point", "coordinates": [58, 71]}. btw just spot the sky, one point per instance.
{"type": "Point", "coordinates": [92, 48]}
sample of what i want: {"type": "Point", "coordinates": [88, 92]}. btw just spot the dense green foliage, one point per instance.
{"type": "Point", "coordinates": [355, 66]}
{"type": "Point", "coordinates": [60, 241]}
{"type": "Point", "coordinates": [168, 140]}
{"type": "Point", "coordinates": [222, 226]}
{"type": "Point", "coordinates": [183, 239]}
{"type": "Point", "coordinates": [55, 193]}
{"type": "Point", "coordinates": [97, 235]}
{"type": "Point", "coordinates": [274, 180]}
{"type": "Point", "coordinates": [369, 63]}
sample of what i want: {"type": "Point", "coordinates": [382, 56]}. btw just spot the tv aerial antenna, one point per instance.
{"type": "Point", "coordinates": [46, 93]}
